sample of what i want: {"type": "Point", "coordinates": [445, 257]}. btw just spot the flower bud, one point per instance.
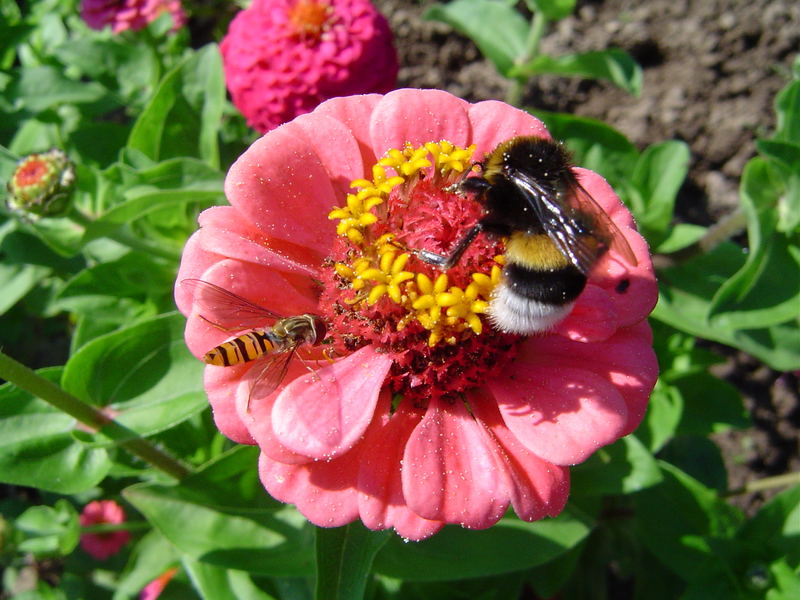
{"type": "Point", "coordinates": [42, 184]}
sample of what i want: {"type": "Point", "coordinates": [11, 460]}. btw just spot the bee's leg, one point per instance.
{"type": "Point", "coordinates": [465, 183]}
{"type": "Point", "coordinates": [447, 261]}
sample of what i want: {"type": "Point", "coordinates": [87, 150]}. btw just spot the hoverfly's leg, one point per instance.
{"type": "Point", "coordinates": [220, 327]}
{"type": "Point", "coordinates": [447, 261]}
{"type": "Point", "coordinates": [311, 369]}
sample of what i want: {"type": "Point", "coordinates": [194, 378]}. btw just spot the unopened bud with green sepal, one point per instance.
{"type": "Point", "coordinates": [42, 184]}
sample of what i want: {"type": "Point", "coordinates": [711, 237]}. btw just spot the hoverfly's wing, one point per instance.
{"type": "Point", "coordinates": [576, 224]}
{"type": "Point", "coordinates": [225, 309]}
{"type": "Point", "coordinates": [268, 374]}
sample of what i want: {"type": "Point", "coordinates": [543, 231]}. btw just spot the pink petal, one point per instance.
{"type": "Point", "coordinates": [194, 262]}
{"type": "Point", "coordinates": [380, 502]}
{"type": "Point", "coordinates": [222, 386]}
{"type": "Point", "coordinates": [494, 122]}
{"type": "Point", "coordinates": [353, 112]}
{"type": "Point", "coordinates": [227, 234]}
{"type": "Point", "coordinates": [338, 148]}
{"type": "Point", "coordinates": [324, 415]}
{"type": "Point", "coordinates": [282, 185]}
{"type": "Point", "coordinates": [626, 360]}
{"type": "Point", "coordinates": [593, 318]}
{"type": "Point", "coordinates": [417, 117]}
{"type": "Point", "coordinates": [632, 288]}
{"type": "Point", "coordinates": [561, 414]}
{"type": "Point", "coordinates": [258, 419]}
{"type": "Point", "coordinates": [324, 491]}
{"type": "Point", "coordinates": [539, 488]}
{"type": "Point", "coordinates": [451, 471]}
{"type": "Point", "coordinates": [103, 545]}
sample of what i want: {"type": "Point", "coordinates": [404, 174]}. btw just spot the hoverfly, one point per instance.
{"type": "Point", "coordinates": [273, 347]}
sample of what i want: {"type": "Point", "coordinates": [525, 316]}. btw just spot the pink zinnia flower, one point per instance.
{"type": "Point", "coordinates": [153, 589]}
{"type": "Point", "coordinates": [426, 415]}
{"type": "Point", "coordinates": [103, 545]}
{"type": "Point", "coordinates": [283, 57]}
{"type": "Point", "coordinates": [122, 15]}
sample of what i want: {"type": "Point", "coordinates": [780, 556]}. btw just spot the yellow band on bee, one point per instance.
{"type": "Point", "coordinates": [536, 252]}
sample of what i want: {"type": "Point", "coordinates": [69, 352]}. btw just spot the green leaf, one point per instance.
{"type": "Point", "coordinates": [197, 522]}
{"type": "Point", "coordinates": [497, 29]}
{"type": "Point", "coordinates": [128, 66]}
{"type": "Point", "coordinates": [685, 300]}
{"type": "Point", "coordinates": [134, 275]}
{"type": "Point", "coordinates": [654, 184]}
{"type": "Point", "coordinates": [509, 586]}
{"type": "Point", "coordinates": [678, 237]}
{"type": "Point", "coordinates": [785, 157]}
{"type": "Point", "coordinates": [16, 281]}
{"type": "Point", "coordinates": [456, 553]}
{"type": "Point", "coordinates": [787, 581]}
{"type": "Point", "coordinates": [699, 457]}
{"type": "Point", "coordinates": [785, 153]}
{"type": "Point", "coordinates": [49, 530]}
{"type": "Point", "coordinates": [787, 111]}
{"type": "Point", "coordinates": [98, 143]}
{"type": "Point", "coordinates": [344, 560]}
{"type": "Point", "coordinates": [172, 183]}
{"type": "Point", "coordinates": [622, 468]}
{"type": "Point", "coordinates": [614, 65]}
{"type": "Point", "coordinates": [182, 118]}
{"type": "Point", "coordinates": [765, 291]}
{"type": "Point", "coordinates": [216, 583]}
{"type": "Point", "coordinates": [711, 405]}
{"type": "Point", "coordinates": [663, 415]}
{"type": "Point", "coordinates": [775, 529]}
{"type": "Point", "coordinates": [150, 557]}
{"type": "Point", "coordinates": [676, 514]}
{"type": "Point", "coordinates": [554, 10]}
{"type": "Point", "coordinates": [550, 578]}
{"type": "Point", "coordinates": [31, 135]}
{"type": "Point", "coordinates": [62, 235]}
{"type": "Point", "coordinates": [37, 447]}
{"type": "Point", "coordinates": [145, 371]}
{"type": "Point", "coordinates": [43, 87]}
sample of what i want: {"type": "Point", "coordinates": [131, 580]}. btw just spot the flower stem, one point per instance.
{"type": "Point", "coordinates": [529, 52]}
{"type": "Point", "coordinates": [121, 236]}
{"type": "Point", "coordinates": [28, 380]}
{"type": "Point", "coordinates": [727, 227]}
{"type": "Point", "coordinates": [785, 480]}
{"type": "Point", "coordinates": [111, 527]}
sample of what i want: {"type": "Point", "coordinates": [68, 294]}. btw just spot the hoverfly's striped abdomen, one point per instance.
{"type": "Point", "coordinates": [244, 348]}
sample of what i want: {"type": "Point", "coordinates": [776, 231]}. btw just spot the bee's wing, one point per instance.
{"type": "Point", "coordinates": [229, 310]}
{"type": "Point", "coordinates": [577, 225]}
{"type": "Point", "coordinates": [269, 374]}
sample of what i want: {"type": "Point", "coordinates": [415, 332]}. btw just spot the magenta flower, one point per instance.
{"type": "Point", "coordinates": [122, 15]}
{"type": "Point", "coordinates": [153, 589]}
{"type": "Point", "coordinates": [103, 545]}
{"type": "Point", "coordinates": [283, 57]}
{"type": "Point", "coordinates": [426, 415]}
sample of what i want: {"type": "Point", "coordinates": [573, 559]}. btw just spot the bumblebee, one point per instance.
{"type": "Point", "coordinates": [272, 346]}
{"type": "Point", "coordinates": [555, 232]}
